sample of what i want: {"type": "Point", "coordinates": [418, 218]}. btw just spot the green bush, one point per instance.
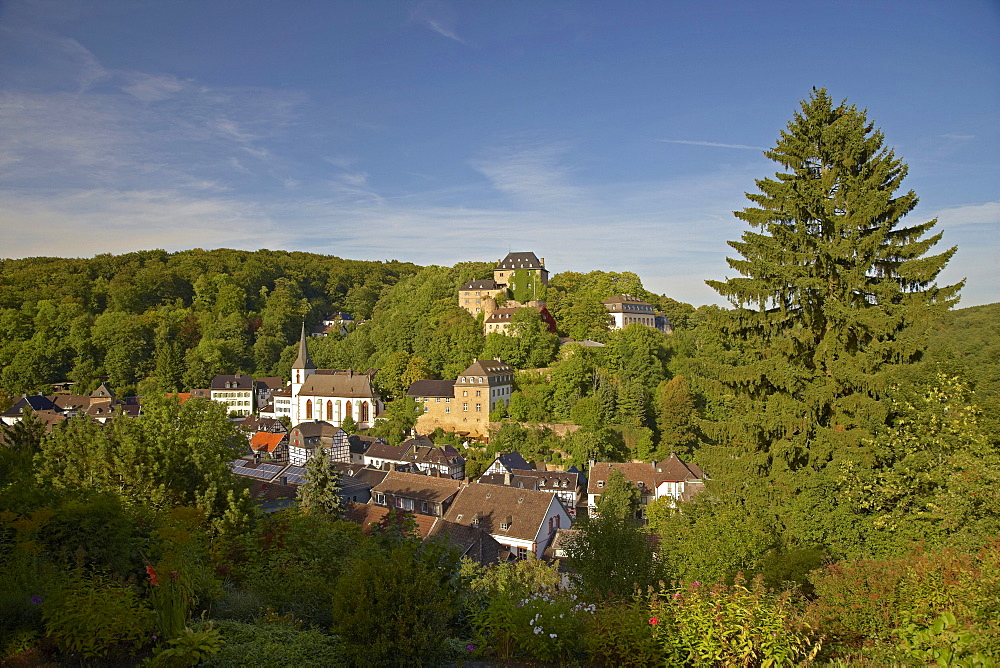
{"type": "Point", "coordinates": [273, 643]}
{"type": "Point", "coordinates": [95, 615]}
{"type": "Point", "coordinates": [395, 606]}
{"type": "Point", "coordinates": [620, 635]}
{"type": "Point", "coordinates": [738, 624]}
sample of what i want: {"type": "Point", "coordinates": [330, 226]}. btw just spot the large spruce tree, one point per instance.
{"type": "Point", "coordinates": [830, 300]}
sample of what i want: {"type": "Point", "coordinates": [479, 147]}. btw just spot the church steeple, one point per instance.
{"type": "Point", "coordinates": [302, 361]}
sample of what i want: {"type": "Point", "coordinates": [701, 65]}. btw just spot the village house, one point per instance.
{"type": "Point", "coordinates": [270, 446]}
{"type": "Point", "coordinates": [672, 479]}
{"type": "Point", "coordinates": [236, 392]}
{"type": "Point", "coordinates": [306, 438]}
{"type": "Point", "coordinates": [567, 485]}
{"type": "Point", "coordinates": [473, 295]}
{"type": "Point", "coordinates": [411, 492]}
{"type": "Point", "coordinates": [523, 520]}
{"type": "Point", "coordinates": [499, 320]}
{"type": "Point", "coordinates": [509, 462]}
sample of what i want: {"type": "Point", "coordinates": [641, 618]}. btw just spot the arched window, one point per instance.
{"type": "Point", "coordinates": [309, 409]}
{"type": "Point", "coordinates": [329, 410]}
{"type": "Point", "coordinates": [348, 411]}
{"type": "Point", "coordinates": [363, 411]}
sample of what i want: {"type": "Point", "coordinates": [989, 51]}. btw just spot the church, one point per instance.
{"type": "Point", "coordinates": [330, 395]}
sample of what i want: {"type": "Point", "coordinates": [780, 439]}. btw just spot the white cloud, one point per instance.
{"type": "Point", "coordinates": [971, 214]}
{"type": "Point", "coordinates": [691, 142]}
{"type": "Point", "coordinates": [534, 175]}
{"type": "Point", "coordinates": [437, 16]}
{"type": "Point", "coordinates": [152, 87]}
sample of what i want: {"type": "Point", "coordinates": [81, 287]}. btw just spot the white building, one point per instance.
{"type": "Point", "coordinates": [626, 309]}
{"type": "Point", "coordinates": [327, 394]}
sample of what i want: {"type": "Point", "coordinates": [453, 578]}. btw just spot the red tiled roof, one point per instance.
{"type": "Point", "coordinates": [264, 440]}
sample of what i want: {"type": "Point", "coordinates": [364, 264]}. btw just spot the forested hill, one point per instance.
{"type": "Point", "coordinates": [178, 318]}
{"type": "Point", "coordinates": [966, 342]}
{"type": "Point", "coordinates": [157, 321]}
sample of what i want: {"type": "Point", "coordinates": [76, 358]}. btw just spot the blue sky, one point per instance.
{"type": "Point", "coordinates": [600, 135]}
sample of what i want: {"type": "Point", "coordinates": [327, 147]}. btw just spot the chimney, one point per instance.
{"type": "Point", "coordinates": [542, 262]}
{"type": "Point", "coordinates": [506, 479]}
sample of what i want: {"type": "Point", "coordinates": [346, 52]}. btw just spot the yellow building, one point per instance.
{"type": "Point", "coordinates": [463, 405]}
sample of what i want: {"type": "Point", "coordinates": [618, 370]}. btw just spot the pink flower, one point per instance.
{"type": "Point", "coordinates": [677, 595]}
{"type": "Point", "coordinates": [470, 648]}
{"type": "Point", "coordinates": [152, 575]}
{"type": "Point", "coordinates": [654, 620]}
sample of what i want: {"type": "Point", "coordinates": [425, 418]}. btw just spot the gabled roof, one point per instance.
{"type": "Point", "coordinates": [512, 461]}
{"type": "Point", "coordinates": [484, 284]}
{"type": "Point", "coordinates": [344, 384]}
{"type": "Point", "coordinates": [368, 514]}
{"type": "Point", "coordinates": [69, 402]}
{"type": "Point", "coordinates": [508, 480]}
{"type": "Point", "coordinates": [253, 423]}
{"type": "Point", "coordinates": [673, 469]}
{"type": "Point", "coordinates": [265, 440]}
{"type": "Point", "coordinates": [650, 474]}
{"type": "Point", "coordinates": [490, 506]}
{"type": "Point", "coordinates": [270, 382]}
{"type": "Point", "coordinates": [520, 261]}
{"type": "Point", "coordinates": [103, 392]}
{"type": "Point", "coordinates": [239, 381]}
{"type": "Point", "coordinates": [415, 486]}
{"type": "Point", "coordinates": [432, 388]}
{"type": "Point", "coordinates": [393, 453]}
{"type": "Point", "coordinates": [316, 428]}
{"type": "Point", "coordinates": [35, 402]}
{"type": "Point", "coordinates": [553, 480]}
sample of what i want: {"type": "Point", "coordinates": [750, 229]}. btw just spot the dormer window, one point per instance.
{"type": "Point", "coordinates": [600, 483]}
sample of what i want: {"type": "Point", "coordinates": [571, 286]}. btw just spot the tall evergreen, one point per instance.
{"type": "Point", "coordinates": [832, 296]}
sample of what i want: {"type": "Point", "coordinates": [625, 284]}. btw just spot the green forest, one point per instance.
{"type": "Point", "coordinates": [845, 409]}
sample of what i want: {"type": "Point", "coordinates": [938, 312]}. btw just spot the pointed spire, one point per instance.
{"type": "Point", "coordinates": [303, 361]}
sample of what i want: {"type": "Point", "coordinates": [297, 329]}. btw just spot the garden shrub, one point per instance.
{"type": "Point", "coordinates": [273, 642]}
{"type": "Point", "coordinates": [95, 615]}
{"type": "Point", "coordinates": [619, 634]}
{"type": "Point", "coordinates": [738, 624]}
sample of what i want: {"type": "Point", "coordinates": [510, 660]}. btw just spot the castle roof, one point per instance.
{"type": "Point", "coordinates": [520, 261]}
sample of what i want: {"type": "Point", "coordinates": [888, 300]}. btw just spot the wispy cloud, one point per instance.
{"type": "Point", "coordinates": [970, 215]}
{"type": "Point", "coordinates": [958, 137]}
{"type": "Point", "coordinates": [715, 144]}
{"type": "Point", "coordinates": [437, 16]}
{"type": "Point", "coordinates": [531, 174]}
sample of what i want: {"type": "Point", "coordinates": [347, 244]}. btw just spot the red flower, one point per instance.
{"type": "Point", "coordinates": [654, 620]}
{"type": "Point", "coordinates": [152, 575]}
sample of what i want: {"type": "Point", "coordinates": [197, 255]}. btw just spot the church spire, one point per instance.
{"type": "Point", "coordinates": [303, 361]}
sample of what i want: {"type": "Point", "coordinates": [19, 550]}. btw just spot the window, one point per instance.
{"type": "Point", "coordinates": [479, 408]}
{"type": "Point", "coordinates": [423, 506]}
{"type": "Point", "coordinates": [600, 483]}
{"type": "Point", "coordinates": [522, 553]}
{"type": "Point", "coordinates": [447, 409]}
{"type": "Point", "coordinates": [465, 393]}
{"type": "Point", "coordinates": [465, 407]}
{"type": "Point", "coordinates": [479, 393]}
{"type": "Point", "coordinates": [380, 498]}
{"type": "Point", "coordinates": [437, 400]}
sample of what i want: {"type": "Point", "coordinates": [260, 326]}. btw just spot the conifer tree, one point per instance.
{"type": "Point", "coordinates": [832, 295]}
{"type": "Point", "coordinates": [322, 494]}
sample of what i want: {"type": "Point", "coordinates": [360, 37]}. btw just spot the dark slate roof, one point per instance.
{"type": "Point", "coordinates": [270, 382]}
{"type": "Point", "coordinates": [520, 261]}
{"type": "Point", "coordinates": [239, 381]}
{"type": "Point", "coordinates": [432, 388]}
{"type": "Point", "coordinates": [35, 402]}
{"type": "Point", "coordinates": [485, 284]}
{"type": "Point", "coordinates": [487, 368]}
{"type": "Point", "coordinates": [393, 453]}
{"type": "Point", "coordinates": [302, 361]}
{"type": "Point", "coordinates": [513, 461]}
